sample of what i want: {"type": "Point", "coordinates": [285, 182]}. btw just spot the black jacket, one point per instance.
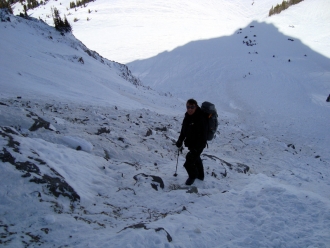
{"type": "Point", "coordinates": [194, 131]}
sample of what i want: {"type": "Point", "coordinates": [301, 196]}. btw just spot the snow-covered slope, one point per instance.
{"type": "Point", "coordinates": [87, 156]}
{"type": "Point", "coordinates": [114, 25]}
{"type": "Point", "coordinates": [257, 71]}
{"type": "Point", "coordinates": [308, 21]}
{"type": "Point", "coordinates": [56, 64]}
{"type": "Point", "coordinates": [131, 30]}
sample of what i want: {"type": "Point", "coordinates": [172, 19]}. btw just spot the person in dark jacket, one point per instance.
{"type": "Point", "coordinates": [194, 135]}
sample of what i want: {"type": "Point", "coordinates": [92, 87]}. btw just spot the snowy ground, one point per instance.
{"type": "Point", "coordinates": [87, 156]}
{"type": "Point", "coordinates": [119, 189]}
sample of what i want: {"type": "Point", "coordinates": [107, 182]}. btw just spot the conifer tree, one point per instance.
{"type": "Point", "coordinates": [271, 11]}
{"type": "Point", "coordinates": [283, 6]}
{"type": "Point", "coordinates": [25, 10]}
{"type": "Point", "coordinates": [6, 5]}
{"type": "Point", "coordinates": [67, 25]}
{"type": "Point", "coordinates": [59, 23]}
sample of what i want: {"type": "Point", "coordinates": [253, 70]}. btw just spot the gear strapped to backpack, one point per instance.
{"type": "Point", "coordinates": [212, 119]}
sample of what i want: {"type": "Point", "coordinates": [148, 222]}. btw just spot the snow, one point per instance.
{"type": "Point", "coordinates": [113, 26]}
{"type": "Point", "coordinates": [96, 169]}
{"type": "Point", "coordinates": [78, 143]}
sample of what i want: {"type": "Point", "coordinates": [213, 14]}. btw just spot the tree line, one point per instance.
{"type": "Point", "coordinates": [6, 5]}
{"type": "Point", "coordinates": [60, 25]}
{"type": "Point", "coordinates": [79, 3]}
{"type": "Point", "coordinates": [31, 4]}
{"type": "Point", "coordinates": [283, 6]}
{"type": "Point", "coordinates": [27, 4]}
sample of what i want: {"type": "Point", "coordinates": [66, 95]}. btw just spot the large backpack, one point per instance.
{"type": "Point", "coordinates": [212, 119]}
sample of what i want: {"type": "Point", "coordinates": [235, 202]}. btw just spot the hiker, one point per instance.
{"type": "Point", "coordinates": [194, 135]}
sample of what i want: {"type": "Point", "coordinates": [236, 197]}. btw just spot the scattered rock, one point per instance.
{"type": "Point", "coordinates": [143, 225]}
{"type": "Point", "coordinates": [55, 184]}
{"type": "Point", "coordinates": [328, 99]}
{"type": "Point", "coordinates": [162, 129]}
{"type": "Point", "coordinates": [40, 123]}
{"type": "Point", "coordinates": [149, 132]}
{"type": "Point", "coordinates": [102, 130]}
{"type": "Point", "coordinates": [155, 183]}
{"type": "Point", "coordinates": [81, 60]}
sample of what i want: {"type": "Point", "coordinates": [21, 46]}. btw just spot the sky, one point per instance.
{"type": "Point", "coordinates": [87, 157]}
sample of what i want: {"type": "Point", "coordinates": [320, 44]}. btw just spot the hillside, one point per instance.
{"type": "Point", "coordinates": [257, 72]}
{"type": "Point", "coordinates": [112, 26]}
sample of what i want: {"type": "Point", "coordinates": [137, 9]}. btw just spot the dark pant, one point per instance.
{"type": "Point", "coordinates": [194, 166]}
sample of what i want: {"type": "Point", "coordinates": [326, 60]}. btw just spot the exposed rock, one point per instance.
{"type": "Point", "coordinates": [238, 167]}
{"type": "Point", "coordinates": [155, 183]}
{"type": "Point", "coordinates": [143, 225]}
{"type": "Point", "coordinates": [56, 184]}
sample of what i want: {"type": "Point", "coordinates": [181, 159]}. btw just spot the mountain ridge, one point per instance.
{"type": "Point", "coordinates": [257, 71]}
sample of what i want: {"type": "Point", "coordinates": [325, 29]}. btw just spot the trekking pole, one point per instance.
{"type": "Point", "coordinates": [177, 161]}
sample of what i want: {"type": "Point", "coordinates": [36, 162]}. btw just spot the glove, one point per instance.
{"type": "Point", "coordinates": [179, 143]}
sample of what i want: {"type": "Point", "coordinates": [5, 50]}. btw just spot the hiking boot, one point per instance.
{"type": "Point", "coordinates": [190, 181]}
